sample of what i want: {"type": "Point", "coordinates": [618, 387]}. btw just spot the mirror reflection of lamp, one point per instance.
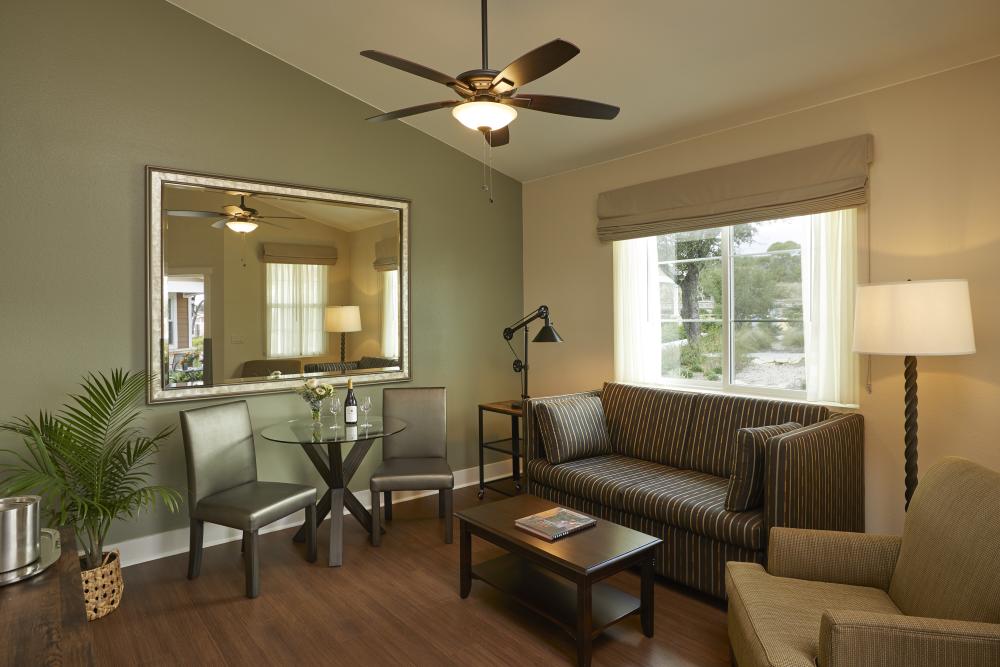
{"type": "Point", "coordinates": [342, 320]}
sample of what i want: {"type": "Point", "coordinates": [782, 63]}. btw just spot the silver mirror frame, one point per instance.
{"type": "Point", "coordinates": [156, 178]}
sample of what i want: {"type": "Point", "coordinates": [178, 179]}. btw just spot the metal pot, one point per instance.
{"type": "Point", "coordinates": [20, 531]}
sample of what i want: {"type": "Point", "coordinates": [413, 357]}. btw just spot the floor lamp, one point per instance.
{"type": "Point", "coordinates": [547, 334]}
{"type": "Point", "coordinates": [911, 319]}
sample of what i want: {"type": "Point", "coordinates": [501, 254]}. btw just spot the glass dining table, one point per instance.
{"type": "Point", "coordinates": [336, 468]}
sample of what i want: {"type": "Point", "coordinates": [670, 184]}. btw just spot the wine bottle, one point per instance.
{"type": "Point", "coordinates": [350, 405]}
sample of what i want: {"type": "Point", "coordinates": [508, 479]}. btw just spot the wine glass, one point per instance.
{"type": "Point", "coordinates": [366, 405]}
{"type": "Point", "coordinates": [334, 408]}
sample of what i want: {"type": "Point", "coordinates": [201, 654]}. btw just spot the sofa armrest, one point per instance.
{"type": "Point", "coordinates": [860, 638]}
{"type": "Point", "coordinates": [532, 436]}
{"type": "Point", "coordinates": [816, 476]}
{"type": "Point", "coordinates": [858, 559]}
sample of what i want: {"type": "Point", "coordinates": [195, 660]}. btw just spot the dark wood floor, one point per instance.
{"type": "Point", "coordinates": [397, 604]}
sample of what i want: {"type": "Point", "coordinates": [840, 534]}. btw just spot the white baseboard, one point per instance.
{"type": "Point", "coordinates": [172, 542]}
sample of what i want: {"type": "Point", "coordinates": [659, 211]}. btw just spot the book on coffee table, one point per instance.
{"type": "Point", "coordinates": [555, 523]}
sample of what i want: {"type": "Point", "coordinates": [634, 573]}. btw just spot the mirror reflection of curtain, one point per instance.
{"type": "Point", "coordinates": [296, 298]}
{"type": "Point", "coordinates": [390, 314]}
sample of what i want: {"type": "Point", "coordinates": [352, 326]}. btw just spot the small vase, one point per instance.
{"type": "Point", "coordinates": [315, 415]}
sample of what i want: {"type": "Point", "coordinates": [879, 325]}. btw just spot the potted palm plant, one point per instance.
{"type": "Point", "coordinates": [90, 463]}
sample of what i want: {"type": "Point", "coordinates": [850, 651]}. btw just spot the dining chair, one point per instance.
{"type": "Point", "coordinates": [415, 459]}
{"type": "Point", "coordinates": [223, 487]}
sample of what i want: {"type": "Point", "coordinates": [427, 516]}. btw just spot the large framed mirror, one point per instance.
{"type": "Point", "coordinates": [255, 287]}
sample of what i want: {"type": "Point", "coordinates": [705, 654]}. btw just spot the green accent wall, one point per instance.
{"type": "Point", "coordinates": [91, 92]}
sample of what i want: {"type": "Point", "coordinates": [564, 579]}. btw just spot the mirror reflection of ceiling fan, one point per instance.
{"type": "Point", "coordinates": [242, 218]}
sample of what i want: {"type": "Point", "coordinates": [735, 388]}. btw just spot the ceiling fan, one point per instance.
{"type": "Point", "coordinates": [242, 218]}
{"type": "Point", "coordinates": [490, 98]}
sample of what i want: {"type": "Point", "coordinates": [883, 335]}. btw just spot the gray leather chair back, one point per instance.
{"type": "Point", "coordinates": [425, 413]}
{"type": "Point", "coordinates": [218, 445]}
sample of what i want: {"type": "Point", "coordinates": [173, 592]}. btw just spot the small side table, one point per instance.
{"type": "Point", "coordinates": [508, 486]}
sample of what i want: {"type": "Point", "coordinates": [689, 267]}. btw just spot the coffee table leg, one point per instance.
{"type": "Point", "coordinates": [584, 623]}
{"type": "Point", "coordinates": [465, 559]}
{"type": "Point", "coordinates": [646, 599]}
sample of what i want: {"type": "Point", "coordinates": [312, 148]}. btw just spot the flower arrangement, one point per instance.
{"type": "Point", "coordinates": [313, 392]}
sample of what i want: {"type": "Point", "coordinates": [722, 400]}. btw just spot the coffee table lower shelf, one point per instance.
{"type": "Point", "coordinates": [553, 596]}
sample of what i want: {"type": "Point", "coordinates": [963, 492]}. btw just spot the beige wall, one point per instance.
{"type": "Point", "coordinates": [94, 91]}
{"type": "Point", "coordinates": [366, 290]}
{"type": "Point", "coordinates": [934, 213]}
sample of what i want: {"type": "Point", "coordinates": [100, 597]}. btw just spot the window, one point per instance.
{"type": "Point", "coordinates": [296, 299]}
{"type": "Point", "coordinates": [764, 307]}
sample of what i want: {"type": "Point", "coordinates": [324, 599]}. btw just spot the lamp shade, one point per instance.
{"type": "Point", "coordinates": [491, 115]}
{"type": "Point", "coordinates": [918, 318]}
{"type": "Point", "coordinates": [342, 319]}
{"type": "Point", "coordinates": [547, 334]}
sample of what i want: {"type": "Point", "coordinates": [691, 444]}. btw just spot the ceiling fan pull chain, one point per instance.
{"type": "Point", "coordinates": [491, 165]}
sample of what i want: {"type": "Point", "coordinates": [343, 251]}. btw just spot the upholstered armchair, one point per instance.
{"type": "Point", "coordinates": [930, 597]}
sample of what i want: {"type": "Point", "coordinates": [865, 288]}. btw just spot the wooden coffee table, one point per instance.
{"type": "Point", "coordinates": [560, 580]}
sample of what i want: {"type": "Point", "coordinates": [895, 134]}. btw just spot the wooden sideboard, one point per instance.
{"type": "Point", "coordinates": [42, 619]}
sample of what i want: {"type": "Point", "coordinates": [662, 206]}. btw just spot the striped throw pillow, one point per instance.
{"type": "Point", "coordinates": [573, 429]}
{"type": "Point", "coordinates": [746, 484]}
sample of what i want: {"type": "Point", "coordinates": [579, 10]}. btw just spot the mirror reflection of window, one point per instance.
{"type": "Point", "coordinates": [390, 314]}
{"type": "Point", "coordinates": [296, 299]}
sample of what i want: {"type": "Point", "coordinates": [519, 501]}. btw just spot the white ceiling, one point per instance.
{"type": "Point", "coordinates": [677, 68]}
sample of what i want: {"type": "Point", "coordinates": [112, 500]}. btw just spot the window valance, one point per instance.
{"type": "Point", "coordinates": [288, 253]}
{"type": "Point", "coordinates": [817, 179]}
{"type": "Point", "coordinates": [386, 255]}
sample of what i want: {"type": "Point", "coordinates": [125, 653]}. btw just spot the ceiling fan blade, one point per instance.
{"type": "Point", "coordinates": [564, 106]}
{"type": "Point", "coordinates": [497, 138]}
{"type": "Point", "coordinates": [411, 111]}
{"type": "Point", "coordinates": [278, 217]}
{"type": "Point", "coordinates": [194, 214]}
{"type": "Point", "coordinates": [533, 65]}
{"type": "Point", "coordinates": [418, 70]}
{"type": "Point", "coordinates": [219, 224]}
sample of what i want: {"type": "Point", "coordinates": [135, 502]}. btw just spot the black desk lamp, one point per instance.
{"type": "Point", "coordinates": [547, 334]}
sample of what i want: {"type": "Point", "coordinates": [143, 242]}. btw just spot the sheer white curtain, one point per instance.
{"type": "Point", "coordinates": [829, 278]}
{"type": "Point", "coordinates": [636, 311]}
{"type": "Point", "coordinates": [296, 299]}
{"type": "Point", "coordinates": [390, 314]}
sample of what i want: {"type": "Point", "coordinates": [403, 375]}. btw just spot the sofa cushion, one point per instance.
{"type": "Point", "coordinates": [573, 429]}
{"type": "Point", "coordinates": [647, 423]}
{"type": "Point", "coordinates": [746, 484]}
{"type": "Point", "coordinates": [694, 501]}
{"type": "Point", "coordinates": [947, 565]}
{"type": "Point", "coordinates": [775, 620]}
{"type": "Point", "coordinates": [600, 478]}
{"type": "Point", "coordinates": [711, 438]}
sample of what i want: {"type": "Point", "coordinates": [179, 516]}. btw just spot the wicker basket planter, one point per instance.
{"type": "Point", "coordinates": [103, 586]}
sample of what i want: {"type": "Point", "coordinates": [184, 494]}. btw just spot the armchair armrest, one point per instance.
{"type": "Point", "coordinates": [861, 638]}
{"type": "Point", "coordinates": [816, 476]}
{"type": "Point", "coordinates": [858, 559]}
{"type": "Point", "coordinates": [532, 435]}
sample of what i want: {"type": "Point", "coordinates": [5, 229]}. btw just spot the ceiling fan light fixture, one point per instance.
{"type": "Point", "coordinates": [491, 115]}
{"type": "Point", "coordinates": [241, 226]}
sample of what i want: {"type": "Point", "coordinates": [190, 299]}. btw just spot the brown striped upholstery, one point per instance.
{"type": "Point", "coordinates": [746, 483]}
{"type": "Point", "coordinates": [814, 475]}
{"type": "Point", "coordinates": [711, 438]}
{"type": "Point", "coordinates": [573, 429]}
{"type": "Point", "coordinates": [647, 422]}
{"type": "Point", "coordinates": [696, 502]}
{"type": "Point", "coordinates": [600, 478]}
{"type": "Point", "coordinates": [841, 599]}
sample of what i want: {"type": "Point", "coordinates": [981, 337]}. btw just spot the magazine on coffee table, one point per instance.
{"type": "Point", "coordinates": [555, 523]}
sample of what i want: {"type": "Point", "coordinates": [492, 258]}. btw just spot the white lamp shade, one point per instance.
{"type": "Point", "coordinates": [918, 318]}
{"type": "Point", "coordinates": [342, 319]}
{"type": "Point", "coordinates": [492, 115]}
{"type": "Point", "coordinates": [241, 226]}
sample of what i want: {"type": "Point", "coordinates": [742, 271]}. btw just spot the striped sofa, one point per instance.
{"type": "Point", "coordinates": [672, 453]}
